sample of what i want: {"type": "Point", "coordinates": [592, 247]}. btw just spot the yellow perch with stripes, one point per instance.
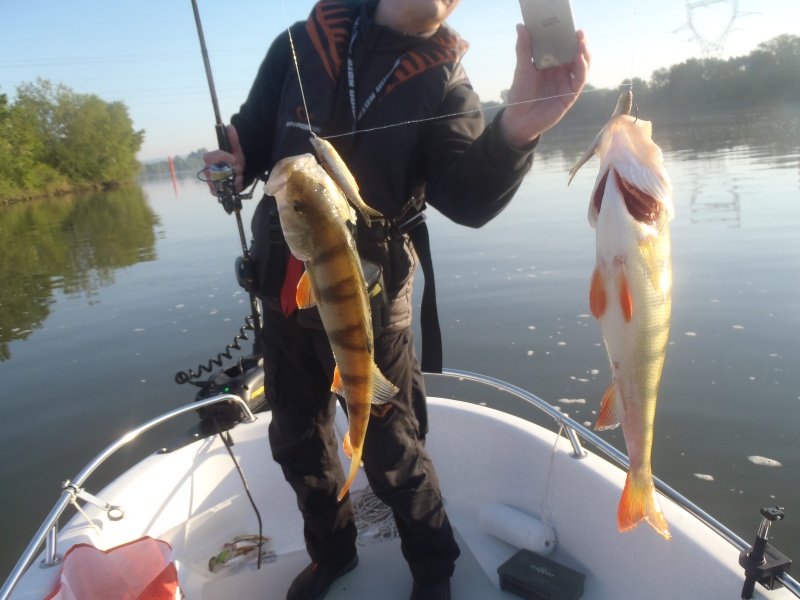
{"type": "Point", "coordinates": [631, 294]}
{"type": "Point", "coordinates": [314, 214]}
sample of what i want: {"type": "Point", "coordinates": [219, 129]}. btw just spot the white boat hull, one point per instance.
{"type": "Point", "coordinates": [194, 499]}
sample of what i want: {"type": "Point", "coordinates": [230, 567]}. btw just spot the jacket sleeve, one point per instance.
{"type": "Point", "coordinates": [472, 174]}
{"type": "Point", "coordinates": [255, 122]}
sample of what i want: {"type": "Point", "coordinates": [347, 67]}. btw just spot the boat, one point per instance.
{"type": "Point", "coordinates": [533, 508]}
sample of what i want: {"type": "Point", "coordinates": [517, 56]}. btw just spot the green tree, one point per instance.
{"type": "Point", "coordinates": [55, 139]}
{"type": "Point", "coordinates": [98, 144]}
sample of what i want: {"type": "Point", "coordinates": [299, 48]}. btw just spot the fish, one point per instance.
{"type": "Point", "coordinates": [314, 216]}
{"type": "Point", "coordinates": [337, 169]}
{"type": "Point", "coordinates": [631, 294]}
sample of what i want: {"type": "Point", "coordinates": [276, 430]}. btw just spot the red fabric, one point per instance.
{"type": "Point", "coordinates": [294, 271]}
{"type": "Point", "coordinates": [139, 570]}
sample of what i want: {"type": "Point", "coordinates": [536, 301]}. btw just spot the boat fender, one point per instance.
{"type": "Point", "coordinates": [517, 528]}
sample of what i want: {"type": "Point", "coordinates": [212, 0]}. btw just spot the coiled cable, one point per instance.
{"type": "Point", "coordinates": [182, 377]}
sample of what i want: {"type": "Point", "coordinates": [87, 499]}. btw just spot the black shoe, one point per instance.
{"type": "Point", "coordinates": [316, 579]}
{"type": "Point", "coordinates": [431, 591]}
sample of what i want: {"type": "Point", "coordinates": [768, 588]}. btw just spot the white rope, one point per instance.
{"type": "Point", "coordinates": [374, 516]}
{"type": "Point", "coordinates": [544, 501]}
{"type": "Point", "coordinates": [94, 526]}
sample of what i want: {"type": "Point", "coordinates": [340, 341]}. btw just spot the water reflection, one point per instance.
{"type": "Point", "coordinates": [772, 136]}
{"type": "Point", "coordinates": [717, 205]}
{"type": "Point", "coordinates": [72, 244]}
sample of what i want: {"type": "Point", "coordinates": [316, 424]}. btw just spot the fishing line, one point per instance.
{"type": "Point", "coordinates": [416, 121]}
{"type": "Point", "coordinates": [467, 112]}
{"type": "Point", "coordinates": [74, 501]}
{"type": "Point", "coordinates": [633, 41]}
{"type": "Point", "coordinates": [296, 66]}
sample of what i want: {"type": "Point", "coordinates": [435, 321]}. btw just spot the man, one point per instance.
{"type": "Point", "coordinates": [367, 67]}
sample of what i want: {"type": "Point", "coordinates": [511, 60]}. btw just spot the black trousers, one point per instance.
{"type": "Point", "coordinates": [299, 368]}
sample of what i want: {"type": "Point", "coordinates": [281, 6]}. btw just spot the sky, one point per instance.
{"type": "Point", "coordinates": [147, 54]}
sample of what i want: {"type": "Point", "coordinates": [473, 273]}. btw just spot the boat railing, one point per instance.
{"type": "Point", "coordinates": [574, 431]}
{"type": "Point", "coordinates": [47, 533]}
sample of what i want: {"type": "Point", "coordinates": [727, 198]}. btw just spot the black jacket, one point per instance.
{"type": "Point", "coordinates": [422, 135]}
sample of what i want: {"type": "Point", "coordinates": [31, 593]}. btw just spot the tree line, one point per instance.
{"type": "Point", "coordinates": [768, 76]}
{"type": "Point", "coordinates": [53, 140]}
{"type": "Point", "coordinates": [189, 164]}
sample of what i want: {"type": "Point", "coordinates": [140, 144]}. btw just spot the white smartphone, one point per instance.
{"type": "Point", "coordinates": [552, 31]}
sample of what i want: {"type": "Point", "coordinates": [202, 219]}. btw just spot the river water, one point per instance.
{"type": "Point", "coordinates": [104, 297]}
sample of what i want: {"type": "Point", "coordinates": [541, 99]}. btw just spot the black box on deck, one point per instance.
{"type": "Point", "coordinates": [534, 577]}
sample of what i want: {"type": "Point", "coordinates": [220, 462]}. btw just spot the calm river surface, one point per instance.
{"type": "Point", "coordinates": [103, 298]}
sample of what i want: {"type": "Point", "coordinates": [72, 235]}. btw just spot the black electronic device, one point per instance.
{"type": "Point", "coordinates": [534, 577]}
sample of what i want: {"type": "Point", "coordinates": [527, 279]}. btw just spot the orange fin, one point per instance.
{"type": "Point", "coordinates": [625, 298]}
{"type": "Point", "coordinates": [639, 503]}
{"type": "Point", "coordinates": [305, 295]}
{"type": "Point", "coordinates": [347, 446]}
{"type": "Point", "coordinates": [337, 387]}
{"type": "Point", "coordinates": [597, 295]}
{"type": "Point", "coordinates": [610, 409]}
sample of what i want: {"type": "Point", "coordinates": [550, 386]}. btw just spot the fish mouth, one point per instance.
{"type": "Point", "coordinates": [643, 207]}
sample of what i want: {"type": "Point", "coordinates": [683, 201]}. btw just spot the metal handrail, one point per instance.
{"type": "Point", "coordinates": [574, 429]}
{"type": "Point", "coordinates": [49, 526]}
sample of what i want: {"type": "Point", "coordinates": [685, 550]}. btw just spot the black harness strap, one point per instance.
{"type": "Point", "coordinates": [431, 360]}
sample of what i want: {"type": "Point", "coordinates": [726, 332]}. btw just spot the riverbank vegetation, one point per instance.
{"type": "Point", "coordinates": [183, 165]}
{"type": "Point", "coordinates": [53, 140]}
{"type": "Point", "coordinates": [767, 77]}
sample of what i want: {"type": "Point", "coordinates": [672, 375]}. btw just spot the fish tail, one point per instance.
{"type": "Point", "coordinates": [639, 503]}
{"type": "Point", "coordinates": [368, 213]}
{"type": "Point", "coordinates": [354, 464]}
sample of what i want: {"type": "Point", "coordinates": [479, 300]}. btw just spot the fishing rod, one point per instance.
{"type": "Point", "coordinates": [222, 176]}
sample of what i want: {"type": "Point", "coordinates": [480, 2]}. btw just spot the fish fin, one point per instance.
{"type": "Point", "coordinates": [590, 152]}
{"type": "Point", "coordinates": [355, 462]}
{"type": "Point", "coordinates": [305, 295]}
{"type": "Point", "coordinates": [380, 410]}
{"type": "Point", "coordinates": [660, 277]}
{"type": "Point", "coordinates": [368, 213]}
{"type": "Point", "coordinates": [610, 409]}
{"type": "Point", "coordinates": [639, 503]}
{"type": "Point", "coordinates": [623, 107]}
{"type": "Point", "coordinates": [337, 387]}
{"type": "Point", "coordinates": [347, 446]}
{"type": "Point", "coordinates": [625, 298]}
{"type": "Point", "coordinates": [383, 390]}
{"type": "Point", "coordinates": [598, 300]}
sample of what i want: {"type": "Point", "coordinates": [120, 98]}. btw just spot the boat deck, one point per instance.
{"type": "Point", "coordinates": [370, 579]}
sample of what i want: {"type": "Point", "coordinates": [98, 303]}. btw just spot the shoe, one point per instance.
{"type": "Point", "coordinates": [431, 591]}
{"type": "Point", "coordinates": [316, 579]}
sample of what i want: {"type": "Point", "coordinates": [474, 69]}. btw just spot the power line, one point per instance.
{"type": "Point", "coordinates": [711, 47]}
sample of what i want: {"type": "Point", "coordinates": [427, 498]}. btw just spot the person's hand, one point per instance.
{"type": "Point", "coordinates": [539, 99]}
{"type": "Point", "coordinates": [235, 158]}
